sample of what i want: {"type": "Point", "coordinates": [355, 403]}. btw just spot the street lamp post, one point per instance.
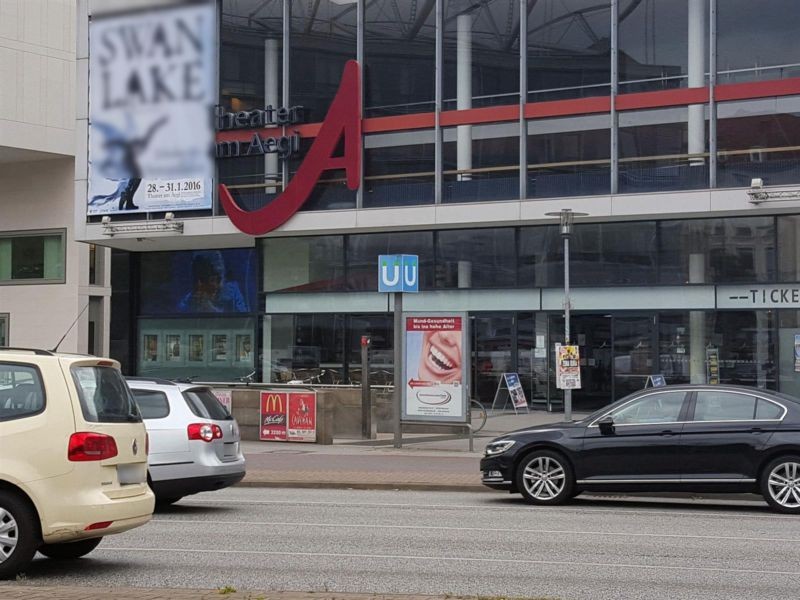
{"type": "Point", "coordinates": [567, 218]}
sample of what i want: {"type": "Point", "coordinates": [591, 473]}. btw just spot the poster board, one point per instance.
{"type": "Point", "coordinates": [712, 365]}
{"type": "Point", "coordinates": [568, 370]}
{"type": "Point", "coordinates": [289, 416]}
{"type": "Point", "coordinates": [656, 380]}
{"type": "Point", "coordinates": [435, 367]}
{"type": "Point", "coordinates": [509, 388]}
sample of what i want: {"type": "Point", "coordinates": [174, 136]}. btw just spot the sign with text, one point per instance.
{"type": "Point", "coordinates": [434, 373]}
{"type": "Point", "coordinates": [398, 273]}
{"type": "Point", "coordinates": [302, 414]}
{"type": "Point", "coordinates": [568, 370]}
{"type": "Point", "coordinates": [288, 416]}
{"type": "Point", "coordinates": [151, 85]}
{"type": "Point", "coordinates": [274, 406]}
{"type": "Point", "coordinates": [759, 296]}
{"type": "Point", "coordinates": [225, 398]}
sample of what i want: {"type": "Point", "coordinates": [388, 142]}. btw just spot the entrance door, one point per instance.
{"type": "Point", "coordinates": [592, 334]}
{"type": "Point", "coordinates": [634, 345]}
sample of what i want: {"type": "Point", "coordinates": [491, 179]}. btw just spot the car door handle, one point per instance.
{"type": "Point", "coordinates": [756, 430]}
{"type": "Point", "coordinates": [667, 432]}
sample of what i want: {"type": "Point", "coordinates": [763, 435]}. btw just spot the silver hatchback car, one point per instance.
{"type": "Point", "coordinates": [194, 440]}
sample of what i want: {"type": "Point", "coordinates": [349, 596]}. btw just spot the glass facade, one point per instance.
{"type": "Point", "coordinates": [498, 100]}
{"type": "Point", "coordinates": [658, 139]}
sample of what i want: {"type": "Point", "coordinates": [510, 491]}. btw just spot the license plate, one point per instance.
{"type": "Point", "coordinates": [128, 474]}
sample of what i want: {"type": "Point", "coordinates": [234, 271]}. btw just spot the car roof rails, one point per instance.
{"type": "Point", "coordinates": [156, 380]}
{"type": "Point", "coordinates": [37, 351]}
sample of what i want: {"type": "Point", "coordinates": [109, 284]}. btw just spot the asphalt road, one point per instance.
{"type": "Point", "coordinates": [450, 543]}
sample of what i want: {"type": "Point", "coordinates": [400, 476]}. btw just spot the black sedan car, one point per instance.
{"type": "Point", "coordinates": [693, 438]}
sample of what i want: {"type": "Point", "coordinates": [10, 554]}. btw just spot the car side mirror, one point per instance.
{"type": "Point", "coordinates": [606, 425]}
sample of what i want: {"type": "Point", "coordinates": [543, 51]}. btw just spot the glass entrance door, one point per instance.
{"type": "Point", "coordinates": [592, 334]}
{"type": "Point", "coordinates": [634, 345]}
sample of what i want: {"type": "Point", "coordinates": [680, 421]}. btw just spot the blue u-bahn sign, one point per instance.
{"type": "Point", "coordinates": [398, 273]}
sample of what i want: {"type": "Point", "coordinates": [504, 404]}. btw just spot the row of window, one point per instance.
{"type": "Point", "coordinates": [662, 44]}
{"type": "Point", "coordinates": [636, 253]}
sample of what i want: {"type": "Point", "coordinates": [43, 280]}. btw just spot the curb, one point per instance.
{"type": "Point", "coordinates": [362, 485]}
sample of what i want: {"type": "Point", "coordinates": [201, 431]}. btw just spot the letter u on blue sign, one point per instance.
{"type": "Point", "coordinates": [398, 273]}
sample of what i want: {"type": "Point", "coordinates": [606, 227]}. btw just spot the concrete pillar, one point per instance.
{"type": "Point", "coordinates": [697, 71]}
{"type": "Point", "coordinates": [464, 92]}
{"type": "Point", "coordinates": [697, 324]}
{"type": "Point", "coordinates": [271, 98]}
{"type": "Point", "coordinates": [464, 273]}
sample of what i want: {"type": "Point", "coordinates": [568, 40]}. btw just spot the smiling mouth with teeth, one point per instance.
{"type": "Point", "coordinates": [441, 357]}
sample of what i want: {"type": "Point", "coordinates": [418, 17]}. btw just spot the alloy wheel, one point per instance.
{"type": "Point", "coordinates": [544, 478]}
{"type": "Point", "coordinates": [8, 535]}
{"type": "Point", "coordinates": [784, 484]}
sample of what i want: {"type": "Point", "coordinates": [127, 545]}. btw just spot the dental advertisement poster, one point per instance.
{"type": "Point", "coordinates": [435, 371]}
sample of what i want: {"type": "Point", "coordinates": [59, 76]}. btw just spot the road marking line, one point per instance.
{"type": "Point", "coordinates": [729, 510]}
{"type": "Point", "coordinates": [479, 529]}
{"type": "Point", "coordinates": [519, 561]}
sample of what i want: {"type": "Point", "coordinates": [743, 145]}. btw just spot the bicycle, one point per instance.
{"type": "Point", "coordinates": [477, 415]}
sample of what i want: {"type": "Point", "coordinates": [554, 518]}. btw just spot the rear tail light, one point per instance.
{"type": "Point", "coordinates": [86, 446]}
{"type": "Point", "coordinates": [147, 444]}
{"type": "Point", "coordinates": [100, 525]}
{"type": "Point", "coordinates": [207, 432]}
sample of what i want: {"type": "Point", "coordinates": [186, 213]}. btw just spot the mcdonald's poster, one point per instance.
{"type": "Point", "coordinates": [288, 417]}
{"type": "Point", "coordinates": [274, 406]}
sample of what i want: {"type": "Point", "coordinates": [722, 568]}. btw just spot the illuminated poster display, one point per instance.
{"type": "Point", "coordinates": [436, 368]}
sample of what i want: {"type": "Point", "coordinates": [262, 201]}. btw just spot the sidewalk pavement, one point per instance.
{"type": "Point", "coordinates": [425, 462]}
{"type": "Point", "coordinates": [23, 591]}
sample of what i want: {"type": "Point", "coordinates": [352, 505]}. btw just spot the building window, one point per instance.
{"type": "Point", "coordinates": [399, 57]}
{"type": "Point", "coordinates": [32, 257]}
{"type": "Point", "coordinates": [476, 258]}
{"type": "Point", "coordinates": [569, 50]}
{"type": "Point", "coordinates": [757, 40]}
{"type": "Point", "coordinates": [304, 264]}
{"type": "Point", "coordinates": [4, 319]}
{"type": "Point", "coordinates": [399, 169]}
{"type": "Point", "coordinates": [481, 162]}
{"type": "Point", "coordinates": [663, 149]}
{"type": "Point", "coordinates": [759, 138]}
{"type": "Point", "coordinates": [569, 156]}
{"type": "Point", "coordinates": [663, 44]}
{"type": "Point", "coordinates": [481, 53]}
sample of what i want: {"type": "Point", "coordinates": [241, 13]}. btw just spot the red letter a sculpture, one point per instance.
{"type": "Point", "coordinates": [342, 121]}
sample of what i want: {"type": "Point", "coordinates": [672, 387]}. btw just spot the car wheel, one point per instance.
{"type": "Point", "coordinates": [19, 534]}
{"type": "Point", "coordinates": [69, 550]}
{"type": "Point", "coordinates": [780, 484]}
{"type": "Point", "coordinates": [545, 477]}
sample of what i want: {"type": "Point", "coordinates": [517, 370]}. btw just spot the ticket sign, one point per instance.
{"type": "Point", "coordinates": [568, 371]}
{"type": "Point", "coordinates": [288, 417]}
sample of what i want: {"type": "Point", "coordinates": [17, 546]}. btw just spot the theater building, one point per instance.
{"type": "Point", "coordinates": [454, 127]}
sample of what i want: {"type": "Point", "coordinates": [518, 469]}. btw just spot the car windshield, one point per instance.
{"type": "Point", "coordinates": [605, 409]}
{"type": "Point", "coordinates": [104, 395]}
{"type": "Point", "coordinates": [203, 403]}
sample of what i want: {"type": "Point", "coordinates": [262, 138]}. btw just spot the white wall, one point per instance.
{"type": "Point", "coordinates": [37, 77]}
{"type": "Point", "coordinates": [34, 196]}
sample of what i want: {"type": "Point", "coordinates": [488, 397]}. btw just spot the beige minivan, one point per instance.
{"type": "Point", "coordinates": [73, 456]}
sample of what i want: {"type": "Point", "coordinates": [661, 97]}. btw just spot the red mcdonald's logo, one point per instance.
{"type": "Point", "coordinates": [342, 121]}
